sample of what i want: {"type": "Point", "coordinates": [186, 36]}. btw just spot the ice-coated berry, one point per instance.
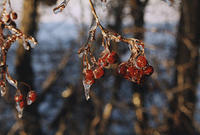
{"type": "Point", "coordinates": [132, 71]}
{"type": "Point", "coordinates": [89, 74]}
{"type": "Point", "coordinates": [112, 57]}
{"type": "Point", "coordinates": [98, 72]}
{"type": "Point", "coordinates": [21, 104]}
{"type": "Point", "coordinates": [32, 95]}
{"type": "Point", "coordinates": [141, 61]}
{"type": "Point", "coordinates": [18, 98]}
{"type": "Point", "coordinates": [148, 70]}
{"type": "Point", "coordinates": [103, 60]}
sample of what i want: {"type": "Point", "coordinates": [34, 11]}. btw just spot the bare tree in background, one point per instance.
{"type": "Point", "coordinates": [182, 105]}
{"type": "Point", "coordinates": [137, 12]}
{"type": "Point", "coordinates": [24, 69]}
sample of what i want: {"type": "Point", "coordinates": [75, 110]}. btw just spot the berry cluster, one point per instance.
{"type": "Point", "coordinates": [106, 59]}
{"type": "Point", "coordinates": [136, 69]}
{"type": "Point", "coordinates": [22, 101]}
{"type": "Point", "coordinates": [7, 23]}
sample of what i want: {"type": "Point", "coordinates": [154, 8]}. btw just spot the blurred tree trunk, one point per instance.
{"type": "Point", "coordinates": [182, 106]}
{"type": "Point", "coordinates": [116, 11]}
{"type": "Point", "coordinates": [24, 68]}
{"type": "Point", "coordinates": [137, 12]}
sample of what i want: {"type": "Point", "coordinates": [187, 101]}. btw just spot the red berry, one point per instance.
{"type": "Point", "coordinates": [140, 77]}
{"type": "Point", "coordinates": [141, 61]}
{"type": "Point", "coordinates": [18, 98]}
{"type": "Point", "coordinates": [32, 95]}
{"type": "Point", "coordinates": [89, 74]}
{"type": "Point", "coordinates": [148, 71]}
{"type": "Point", "coordinates": [112, 57]}
{"type": "Point", "coordinates": [122, 68]}
{"type": "Point", "coordinates": [21, 104]}
{"type": "Point", "coordinates": [98, 72]}
{"type": "Point", "coordinates": [103, 60]}
{"type": "Point", "coordinates": [133, 71]}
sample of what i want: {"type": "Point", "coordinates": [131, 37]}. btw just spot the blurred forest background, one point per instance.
{"type": "Point", "coordinates": [167, 103]}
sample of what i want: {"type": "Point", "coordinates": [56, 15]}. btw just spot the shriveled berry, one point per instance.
{"type": "Point", "coordinates": [18, 98]}
{"type": "Point", "coordinates": [32, 95]}
{"type": "Point", "coordinates": [112, 57]}
{"type": "Point", "coordinates": [141, 61]}
{"type": "Point", "coordinates": [98, 72]}
{"type": "Point", "coordinates": [21, 104]}
{"type": "Point", "coordinates": [89, 74]}
{"type": "Point", "coordinates": [148, 70]}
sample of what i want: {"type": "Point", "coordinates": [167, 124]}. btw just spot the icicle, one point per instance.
{"type": "Point", "coordinates": [61, 7]}
{"type": "Point", "coordinates": [87, 90]}
{"type": "Point", "coordinates": [29, 102]}
{"type": "Point", "coordinates": [11, 81]}
{"type": "Point", "coordinates": [32, 42]}
{"type": "Point", "coordinates": [26, 45]}
{"type": "Point", "coordinates": [19, 110]}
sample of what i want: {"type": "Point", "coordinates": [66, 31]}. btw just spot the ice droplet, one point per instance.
{"type": "Point", "coordinates": [87, 90]}
{"type": "Point", "coordinates": [20, 114]}
{"type": "Point", "coordinates": [26, 45]}
{"type": "Point", "coordinates": [19, 110]}
{"type": "Point", "coordinates": [29, 102]}
{"type": "Point", "coordinates": [61, 7]}
{"type": "Point", "coordinates": [11, 81]}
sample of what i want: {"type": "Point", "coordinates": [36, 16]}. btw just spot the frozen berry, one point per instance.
{"type": "Point", "coordinates": [141, 61]}
{"type": "Point", "coordinates": [132, 71]}
{"type": "Point", "coordinates": [18, 98]}
{"type": "Point", "coordinates": [98, 72]}
{"type": "Point", "coordinates": [148, 71]}
{"type": "Point", "coordinates": [21, 104]}
{"type": "Point", "coordinates": [89, 74]}
{"type": "Point", "coordinates": [112, 57]}
{"type": "Point", "coordinates": [103, 60]}
{"type": "Point", "coordinates": [32, 95]}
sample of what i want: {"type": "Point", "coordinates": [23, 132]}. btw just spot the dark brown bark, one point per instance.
{"type": "Point", "coordinates": [182, 106]}
{"type": "Point", "coordinates": [141, 125]}
{"type": "Point", "coordinates": [24, 69]}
